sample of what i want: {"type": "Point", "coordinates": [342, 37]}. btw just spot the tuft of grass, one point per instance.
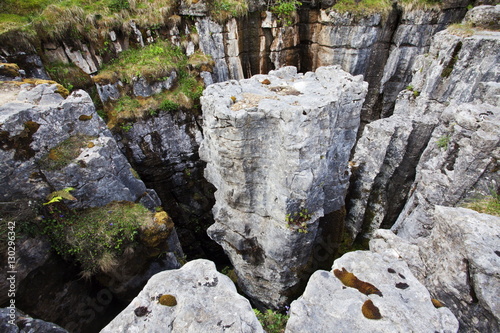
{"type": "Point", "coordinates": [272, 321]}
{"type": "Point", "coordinates": [486, 204]}
{"type": "Point", "coordinates": [223, 10]}
{"type": "Point", "coordinates": [409, 5]}
{"type": "Point", "coordinates": [363, 8]}
{"type": "Point", "coordinates": [95, 237]}
{"type": "Point", "coordinates": [443, 142]}
{"type": "Point", "coordinates": [462, 29]}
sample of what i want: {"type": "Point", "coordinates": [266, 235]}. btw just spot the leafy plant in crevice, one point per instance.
{"type": "Point", "coordinates": [298, 220]}
{"type": "Point", "coordinates": [272, 321]}
{"type": "Point", "coordinates": [285, 9]}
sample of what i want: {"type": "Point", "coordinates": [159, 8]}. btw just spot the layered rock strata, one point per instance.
{"type": "Point", "coordinates": [458, 262]}
{"type": "Point", "coordinates": [277, 148]}
{"type": "Point", "coordinates": [195, 298]}
{"type": "Point", "coordinates": [367, 292]}
{"type": "Point", "coordinates": [443, 124]}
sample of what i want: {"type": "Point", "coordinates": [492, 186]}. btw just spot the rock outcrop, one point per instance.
{"type": "Point", "coordinates": [14, 321]}
{"type": "Point", "coordinates": [440, 146]}
{"type": "Point", "coordinates": [367, 292]}
{"type": "Point", "coordinates": [49, 143]}
{"type": "Point", "coordinates": [164, 151]}
{"type": "Point", "coordinates": [195, 298]}
{"type": "Point", "coordinates": [277, 148]}
{"type": "Point", "coordinates": [458, 262]}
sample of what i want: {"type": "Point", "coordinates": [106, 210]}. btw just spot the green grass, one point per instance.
{"type": "Point", "coordinates": [70, 76]}
{"type": "Point", "coordinates": [223, 10]}
{"type": "Point", "coordinates": [363, 8]}
{"type": "Point", "coordinates": [443, 142]}
{"type": "Point", "coordinates": [94, 237]}
{"type": "Point", "coordinates": [272, 321]}
{"type": "Point", "coordinates": [285, 10]}
{"type": "Point", "coordinates": [487, 204]}
{"type": "Point", "coordinates": [152, 62]}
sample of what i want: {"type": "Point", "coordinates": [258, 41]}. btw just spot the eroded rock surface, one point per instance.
{"type": "Point", "coordinates": [458, 262]}
{"type": "Point", "coordinates": [440, 146]}
{"type": "Point", "coordinates": [400, 303]}
{"type": "Point", "coordinates": [195, 298]}
{"type": "Point", "coordinates": [24, 323]}
{"type": "Point", "coordinates": [49, 143]}
{"type": "Point", "coordinates": [276, 147]}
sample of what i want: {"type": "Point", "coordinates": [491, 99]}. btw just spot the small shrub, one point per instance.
{"type": "Point", "coordinates": [284, 10]}
{"type": "Point", "coordinates": [118, 5]}
{"type": "Point", "coordinates": [272, 321]}
{"type": "Point", "coordinates": [298, 220]}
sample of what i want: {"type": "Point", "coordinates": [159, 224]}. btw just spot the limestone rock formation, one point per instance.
{"type": "Point", "coordinates": [277, 148]}
{"type": "Point", "coordinates": [445, 122]}
{"type": "Point", "coordinates": [24, 323]}
{"type": "Point", "coordinates": [164, 151]}
{"type": "Point", "coordinates": [195, 298]}
{"type": "Point", "coordinates": [49, 143]}
{"type": "Point", "coordinates": [382, 295]}
{"type": "Point", "coordinates": [459, 262]}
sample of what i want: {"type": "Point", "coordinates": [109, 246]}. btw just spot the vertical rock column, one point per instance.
{"type": "Point", "coordinates": [278, 145]}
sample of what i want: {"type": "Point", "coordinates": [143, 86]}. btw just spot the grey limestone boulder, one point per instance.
{"type": "Point", "coordinates": [196, 298]}
{"type": "Point", "coordinates": [459, 263]}
{"type": "Point", "coordinates": [400, 303]}
{"type": "Point", "coordinates": [277, 146]}
{"type": "Point", "coordinates": [49, 143]}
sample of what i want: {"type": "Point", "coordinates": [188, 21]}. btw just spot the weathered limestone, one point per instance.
{"type": "Point", "coordinates": [164, 151]}
{"type": "Point", "coordinates": [204, 300]}
{"type": "Point", "coordinates": [24, 323]}
{"type": "Point", "coordinates": [445, 122]}
{"type": "Point", "coordinates": [403, 303]}
{"type": "Point", "coordinates": [42, 121]}
{"type": "Point", "coordinates": [277, 146]}
{"type": "Point", "coordinates": [459, 262]}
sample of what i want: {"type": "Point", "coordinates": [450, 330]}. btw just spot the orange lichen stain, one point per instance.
{"type": "Point", "coordinates": [91, 145]}
{"type": "Point", "coordinates": [437, 304]}
{"type": "Point", "coordinates": [266, 81]}
{"type": "Point", "coordinates": [84, 117]}
{"type": "Point", "coordinates": [370, 311]}
{"type": "Point", "coordinates": [350, 280]}
{"type": "Point", "coordinates": [168, 300]}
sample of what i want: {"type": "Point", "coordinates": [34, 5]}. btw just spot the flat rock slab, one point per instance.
{"type": "Point", "coordinates": [206, 301]}
{"type": "Point", "coordinates": [403, 303]}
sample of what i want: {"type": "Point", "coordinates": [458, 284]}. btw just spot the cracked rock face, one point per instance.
{"type": "Point", "coordinates": [49, 143]}
{"type": "Point", "coordinates": [276, 147]}
{"type": "Point", "coordinates": [459, 262]}
{"type": "Point", "coordinates": [440, 147]}
{"type": "Point", "coordinates": [195, 298]}
{"type": "Point", "coordinates": [400, 303]}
